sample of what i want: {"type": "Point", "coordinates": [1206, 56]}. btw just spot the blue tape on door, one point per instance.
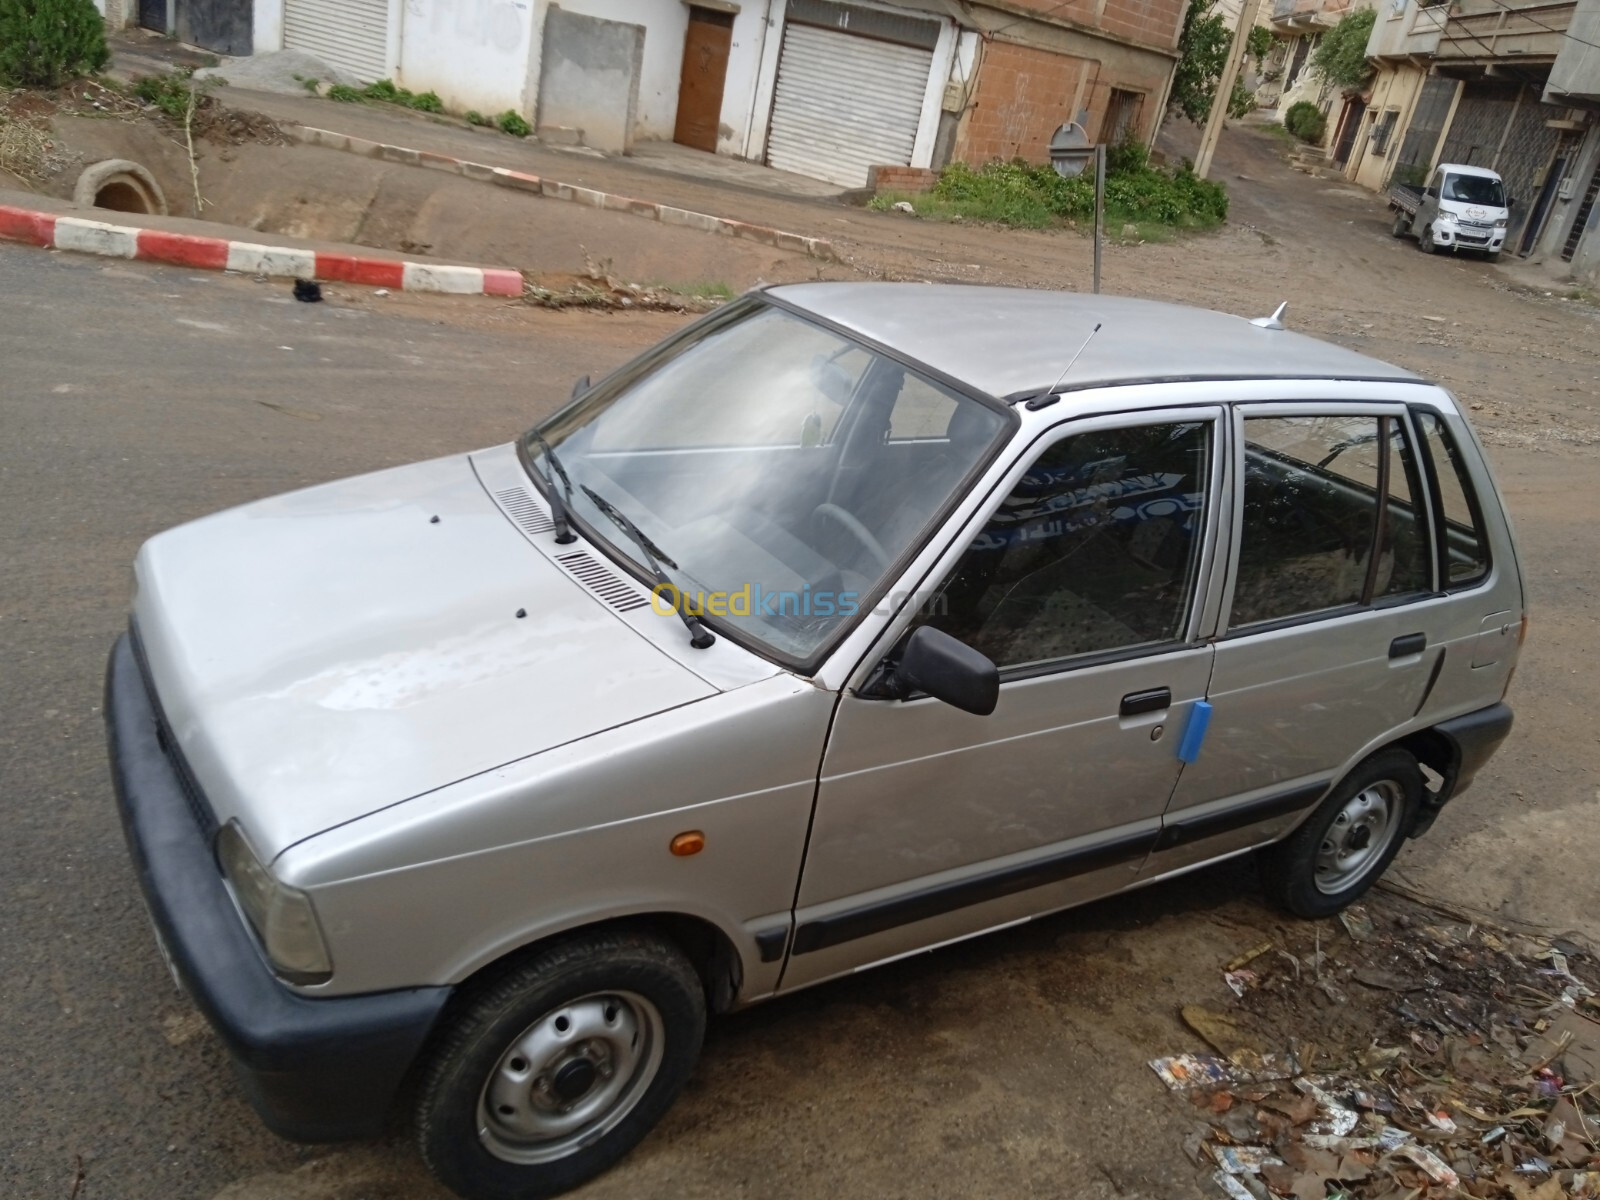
{"type": "Point", "coordinates": [1194, 733]}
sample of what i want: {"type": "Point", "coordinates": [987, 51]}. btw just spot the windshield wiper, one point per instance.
{"type": "Point", "coordinates": [558, 505]}
{"type": "Point", "coordinates": [700, 636]}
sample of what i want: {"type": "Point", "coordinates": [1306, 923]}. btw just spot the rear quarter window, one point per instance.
{"type": "Point", "coordinates": [1463, 547]}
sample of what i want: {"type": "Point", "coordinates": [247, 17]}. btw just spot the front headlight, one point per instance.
{"type": "Point", "coordinates": [281, 916]}
{"type": "Point", "coordinates": [1500, 222]}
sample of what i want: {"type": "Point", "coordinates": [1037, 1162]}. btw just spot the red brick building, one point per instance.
{"type": "Point", "coordinates": [1107, 63]}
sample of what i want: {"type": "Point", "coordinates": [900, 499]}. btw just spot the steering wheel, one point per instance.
{"type": "Point", "coordinates": [863, 536]}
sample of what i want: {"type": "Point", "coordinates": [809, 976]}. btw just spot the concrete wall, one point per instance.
{"type": "Point", "coordinates": [1576, 72]}
{"type": "Point", "coordinates": [473, 53]}
{"type": "Point", "coordinates": [268, 25]}
{"type": "Point", "coordinates": [664, 23]}
{"type": "Point", "coordinates": [589, 77]}
{"type": "Point", "coordinates": [1395, 88]}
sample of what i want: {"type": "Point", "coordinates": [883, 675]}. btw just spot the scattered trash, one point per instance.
{"type": "Point", "coordinates": [1249, 956]}
{"type": "Point", "coordinates": [1421, 1059]}
{"type": "Point", "coordinates": [381, 292]}
{"type": "Point", "coordinates": [308, 291]}
{"type": "Point", "coordinates": [904, 206]}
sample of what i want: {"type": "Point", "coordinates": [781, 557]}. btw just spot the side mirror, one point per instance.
{"type": "Point", "coordinates": [947, 669]}
{"type": "Point", "coordinates": [580, 387]}
{"type": "Point", "coordinates": [1511, 202]}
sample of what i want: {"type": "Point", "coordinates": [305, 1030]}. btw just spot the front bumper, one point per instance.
{"type": "Point", "coordinates": [1468, 237]}
{"type": "Point", "coordinates": [316, 1070]}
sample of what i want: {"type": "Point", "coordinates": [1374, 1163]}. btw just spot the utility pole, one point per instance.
{"type": "Point", "coordinates": [1219, 102]}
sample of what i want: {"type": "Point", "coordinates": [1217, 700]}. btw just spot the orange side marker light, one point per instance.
{"type": "Point", "coordinates": [691, 842]}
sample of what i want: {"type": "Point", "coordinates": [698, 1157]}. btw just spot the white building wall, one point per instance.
{"type": "Point", "coordinates": [473, 53]}
{"type": "Point", "coordinates": [665, 23]}
{"type": "Point", "coordinates": [267, 26]}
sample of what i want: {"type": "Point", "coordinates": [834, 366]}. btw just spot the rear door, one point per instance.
{"type": "Point", "coordinates": [932, 824]}
{"type": "Point", "coordinates": [1331, 627]}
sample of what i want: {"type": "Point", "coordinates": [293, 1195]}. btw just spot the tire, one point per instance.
{"type": "Point", "coordinates": [1425, 241]}
{"type": "Point", "coordinates": [1329, 862]}
{"type": "Point", "coordinates": [551, 1071]}
{"type": "Point", "coordinates": [1402, 225]}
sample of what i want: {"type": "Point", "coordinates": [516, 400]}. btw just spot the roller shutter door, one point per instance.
{"type": "Point", "coordinates": [352, 34]}
{"type": "Point", "coordinates": [845, 103]}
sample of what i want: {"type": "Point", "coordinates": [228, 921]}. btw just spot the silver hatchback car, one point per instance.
{"type": "Point", "coordinates": [851, 621]}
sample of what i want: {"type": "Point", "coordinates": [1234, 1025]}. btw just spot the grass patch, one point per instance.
{"type": "Point", "coordinates": [384, 92]}
{"type": "Point", "coordinates": [1154, 202]}
{"type": "Point", "coordinates": [706, 289]}
{"type": "Point", "coordinates": [512, 122]}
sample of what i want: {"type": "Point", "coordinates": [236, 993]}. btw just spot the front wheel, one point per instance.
{"type": "Point", "coordinates": [1342, 849]}
{"type": "Point", "coordinates": [1425, 241]}
{"type": "Point", "coordinates": [551, 1072]}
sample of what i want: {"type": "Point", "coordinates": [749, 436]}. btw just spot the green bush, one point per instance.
{"type": "Point", "coordinates": [511, 122]}
{"type": "Point", "coordinates": [1306, 122]}
{"type": "Point", "coordinates": [46, 43]}
{"type": "Point", "coordinates": [169, 92]}
{"type": "Point", "coordinates": [474, 117]}
{"type": "Point", "coordinates": [1034, 197]}
{"type": "Point", "coordinates": [344, 93]}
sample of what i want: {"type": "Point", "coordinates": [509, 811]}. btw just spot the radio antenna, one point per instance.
{"type": "Point", "coordinates": [1050, 397]}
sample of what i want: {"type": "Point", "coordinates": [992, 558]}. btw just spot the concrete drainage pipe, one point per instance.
{"type": "Point", "coordinates": [120, 185]}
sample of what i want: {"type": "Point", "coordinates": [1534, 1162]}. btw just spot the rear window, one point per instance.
{"type": "Point", "coordinates": [1463, 548]}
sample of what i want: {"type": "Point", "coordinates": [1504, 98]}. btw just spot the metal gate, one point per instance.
{"type": "Point", "coordinates": [352, 34]}
{"type": "Point", "coordinates": [1422, 135]}
{"type": "Point", "coordinates": [849, 92]}
{"type": "Point", "coordinates": [1580, 222]}
{"type": "Point", "coordinates": [1502, 126]}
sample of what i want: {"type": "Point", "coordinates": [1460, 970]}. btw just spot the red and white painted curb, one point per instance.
{"type": "Point", "coordinates": [220, 254]}
{"type": "Point", "coordinates": [554, 189]}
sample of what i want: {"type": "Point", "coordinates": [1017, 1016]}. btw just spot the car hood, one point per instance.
{"type": "Point", "coordinates": [324, 654]}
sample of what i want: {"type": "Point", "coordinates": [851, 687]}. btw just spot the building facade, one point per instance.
{"type": "Point", "coordinates": [1505, 84]}
{"type": "Point", "coordinates": [821, 87]}
{"type": "Point", "coordinates": [1297, 28]}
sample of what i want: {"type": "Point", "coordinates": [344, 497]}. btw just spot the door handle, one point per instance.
{"type": "Point", "coordinates": [1154, 700]}
{"type": "Point", "coordinates": [1410, 643]}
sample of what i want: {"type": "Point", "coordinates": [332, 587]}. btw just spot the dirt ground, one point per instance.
{"type": "Point", "coordinates": [1015, 1065]}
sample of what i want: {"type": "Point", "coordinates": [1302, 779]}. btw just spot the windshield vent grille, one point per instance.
{"type": "Point", "coordinates": [520, 507]}
{"type": "Point", "coordinates": [601, 581]}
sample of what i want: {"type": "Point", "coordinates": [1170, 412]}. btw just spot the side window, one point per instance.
{"type": "Point", "coordinates": [1464, 551]}
{"type": "Point", "coordinates": [1095, 550]}
{"type": "Point", "coordinates": [921, 411]}
{"type": "Point", "coordinates": [1329, 518]}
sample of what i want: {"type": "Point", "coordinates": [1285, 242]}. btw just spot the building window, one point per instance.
{"type": "Point", "coordinates": [1383, 130]}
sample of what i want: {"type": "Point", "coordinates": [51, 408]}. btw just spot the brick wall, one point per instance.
{"type": "Point", "coordinates": [1024, 93]}
{"type": "Point", "coordinates": [1153, 22]}
{"type": "Point", "coordinates": [902, 179]}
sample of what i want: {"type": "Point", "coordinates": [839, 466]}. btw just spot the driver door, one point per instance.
{"type": "Point", "coordinates": [1083, 586]}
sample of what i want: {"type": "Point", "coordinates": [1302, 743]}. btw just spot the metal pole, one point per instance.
{"type": "Point", "coordinates": [1224, 93]}
{"type": "Point", "coordinates": [1099, 208]}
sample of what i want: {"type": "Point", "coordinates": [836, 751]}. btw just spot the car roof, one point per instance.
{"type": "Point", "coordinates": [1017, 341]}
{"type": "Point", "coordinates": [1464, 169]}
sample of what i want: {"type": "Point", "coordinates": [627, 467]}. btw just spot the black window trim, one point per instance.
{"type": "Point", "coordinates": [1216, 481]}
{"type": "Point", "coordinates": [1469, 492]}
{"type": "Point", "coordinates": [1228, 631]}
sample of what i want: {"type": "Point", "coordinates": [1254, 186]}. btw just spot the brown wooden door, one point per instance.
{"type": "Point", "coordinates": [705, 67]}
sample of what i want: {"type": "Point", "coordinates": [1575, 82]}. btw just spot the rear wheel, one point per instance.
{"type": "Point", "coordinates": [1342, 849]}
{"type": "Point", "coordinates": [551, 1072]}
{"type": "Point", "coordinates": [1402, 224]}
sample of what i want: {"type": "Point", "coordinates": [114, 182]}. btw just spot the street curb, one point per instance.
{"type": "Point", "coordinates": [553, 189]}
{"type": "Point", "coordinates": [219, 254]}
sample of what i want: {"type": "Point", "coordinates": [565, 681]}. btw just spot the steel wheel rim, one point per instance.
{"type": "Point", "coordinates": [1357, 837]}
{"type": "Point", "coordinates": [571, 1077]}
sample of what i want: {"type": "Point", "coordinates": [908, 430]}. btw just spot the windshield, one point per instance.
{"type": "Point", "coordinates": [1475, 189]}
{"type": "Point", "coordinates": [779, 468]}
